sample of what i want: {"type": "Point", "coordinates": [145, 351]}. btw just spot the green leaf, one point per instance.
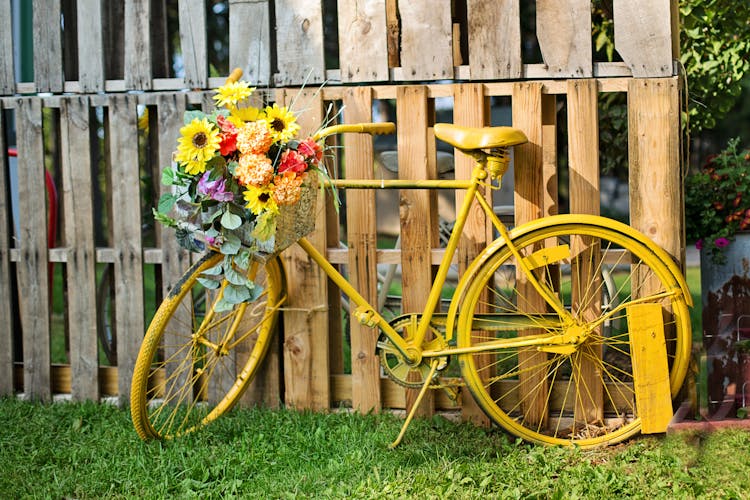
{"type": "Point", "coordinates": [167, 176]}
{"type": "Point", "coordinates": [231, 245]}
{"type": "Point", "coordinates": [209, 283]}
{"type": "Point", "coordinates": [235, 277]}
{"type": "Point", "coordinates": [166, 202]}
{"type": "Point", "coordinates": [230, 220]}
{"type": "Point", "coordinates": [265, 226]}
{"type": "Point", "coordinates": [236, 294]}
{"type": "Point", "coordinates": [192, 115]}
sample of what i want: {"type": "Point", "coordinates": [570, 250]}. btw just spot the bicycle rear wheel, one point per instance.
{"type": "Point", "coordinates": [585, 397]}
{"type": "Point", "coordinates": [195, 361]}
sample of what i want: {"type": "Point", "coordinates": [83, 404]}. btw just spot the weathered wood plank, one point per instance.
{"type": "Point", "coordinates": [306, 360]}
{"type": "Point", "coordinates": [126, 233]}
{"type": "Point", "coordinates": [643, 36]}
{"type": "Point", "coordinates": [193, 42]}
{"type": "Point", "coordinates": [393, 29]}
{"type": "Point", "coordinates": [494, 39]}
{"type": "Point", "coordinates": [7, 71]}
{"type": "Point", "coordinates": [6, 291]}
{"type": "Point", "coordinates": [363, 40]}
{"type": "Point", "coordinates": [417, 208]}
{"type": "Point", "coordinates": [471, 109]}
{"type": "Point", "coordinates": [563, 29]}
{"type": "Point", "coordinates": [426, 44]}
{"type": "Point", "coordinates": [79, 238]}
{"type": "Point", "coordinates": [32, 268]}
{"type": "Point", "coordinates": [137, 45]}
{"type": "Point", "coordinates": [299, 52]}
{"type": "Point", "coordinates": [48, 58]}
{"type": "Point", "coordinates": [362, 242]}
{"type": "Point", "coordinates": [90, 46]}
{"type": "Point", "coordinates": [250, 39]}
{"type": "Point", "coordinates": [583, 154]}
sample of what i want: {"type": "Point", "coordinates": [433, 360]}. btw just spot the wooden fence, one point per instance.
{"type": "Point", "coordinates": [112, 107]}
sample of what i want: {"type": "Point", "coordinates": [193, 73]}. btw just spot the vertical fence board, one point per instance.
{"type": "Point", "coordinates": [417, 207]}
{"type": "Point", "coordinates": [137, 44]}
{"type": "Point", "coordinates": [363, 43]}
{"type": "Point", "coordinates": [583, 152]}
{"type": "Point", "coordinates": [362, 240]}
{"type": "Point", "coordinates": [653, 133]}
{"type": "Point", "coordinates": [470, 110]}
{"type": "Point", "coordinates": [90, 46]}
{"type": "Point", "coordinates": [250, 39]}
{"type": "Point", "coordinates": [32, 267]}
{"type": "Point", "coordinates": [299, 46]}
{"type": "Point", "coordinates": [494, 39]}
{"type": "Point", "coordinates": [126, 232]}
{"type": "Point", "coordinates": [564, 34]}
{"type": "Point", "coordinates": [48, 58]}
{"type": "Point", "coordinates": [6, 292]}
{"type": "Point", "coordinates": [306, 361]}
{"type": "Point", "coordinates": [193, 42]}
{"type": "Point", "coordinates": [426, 40]}
{"type": "Point", "coordinates": [7, 71]}
{"type": "Point", "coordinates": [79, 239]}
{"type": "Point", "coordinates": [643, 36]}
{"type": "Point", "coordinates": [529, 205]}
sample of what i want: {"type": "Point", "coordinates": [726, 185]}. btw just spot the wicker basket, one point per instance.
{"type": "Point", "coordinates": [298, 220]}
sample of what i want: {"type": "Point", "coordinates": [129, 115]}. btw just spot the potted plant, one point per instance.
{"type": "Point", "coordinates": [717, 201]}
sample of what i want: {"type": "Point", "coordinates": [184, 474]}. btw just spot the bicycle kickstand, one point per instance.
{"type": "Point", "coordinates": [422, 391]}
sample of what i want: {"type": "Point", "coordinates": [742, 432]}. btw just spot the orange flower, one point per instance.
{"type": "Point", "coordinates": [254, 137]}
{"type": "Point", "coordinates": [254, 170]}
{"type": "Point", "coordinates": [288, 188]}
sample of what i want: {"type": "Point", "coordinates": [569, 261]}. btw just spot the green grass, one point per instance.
{"type": "Point", "coordinates": [91, 451]}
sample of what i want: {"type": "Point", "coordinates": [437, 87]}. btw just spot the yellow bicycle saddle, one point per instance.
{"type": "Point", "coordinates": [468, 138]}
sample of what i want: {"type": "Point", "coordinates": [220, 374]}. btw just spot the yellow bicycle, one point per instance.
{"type": "Point", "coordinates": [526, 322]}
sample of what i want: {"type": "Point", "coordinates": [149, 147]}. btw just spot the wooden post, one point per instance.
{"type": "Point", "coordinates": [564, 33]}
{"type": "Point", "coordinates": [79, 238]}
{"type": "Point", "coordinates": [32, 268]}
{"type": "Point", "coordinates": [418, 208]}
{"type": "Point", "coordinates": [193, 42]}
{"type": "Point", "coordinates": [90, 45]}
{"type": "Point", "coordinates": [494, 39]}
{"type": "Point", "coordinates": [6, 292]}
{"type": "Point", "coordinates": [362, 239]}
{"type": "Point", "coordinates": [426, 46]}
{"type": "Point", "coordinates": [48, 67]}
{"type": "Point", "coordinates": [7, 70]}
{"type": "Point", "coordinates": [250, 40]}
{"type": "Point", "coordinates": [300, 49]}
{"type": "Point", "coordinates": [363, 44]}
{"type": "Point", "coordinates": [137, 44]}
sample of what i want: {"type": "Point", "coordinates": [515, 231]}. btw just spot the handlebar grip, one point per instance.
{"type": "Point", "coordinates": [235, 75]}
{"type": "Point", "coordinates": [381, 128]}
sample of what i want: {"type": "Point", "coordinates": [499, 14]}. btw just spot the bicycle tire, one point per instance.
{"type": "Point", "coordinates": [534, 395]}
{"type": "Point", "coordinates": [180, 384]}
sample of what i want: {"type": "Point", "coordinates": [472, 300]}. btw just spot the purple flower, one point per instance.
{"type": "Point", "coordinates": [699, 244]}
{"type": "Point", "coordinates": [721, 242]}
{"type": "Point", "coordinates": [216, 190]}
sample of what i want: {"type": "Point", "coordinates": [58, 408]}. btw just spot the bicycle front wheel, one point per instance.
{"type": "Point", "coordinates": [196, 361]}
{"type": "Point", "coordinates": [565, 395]}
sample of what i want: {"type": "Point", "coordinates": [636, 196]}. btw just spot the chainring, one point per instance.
{"type": "Point", "coordinates": [397, 368]}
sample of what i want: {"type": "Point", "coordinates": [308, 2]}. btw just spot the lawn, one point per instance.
{"type": "Point", "coordinates": [91, 451]}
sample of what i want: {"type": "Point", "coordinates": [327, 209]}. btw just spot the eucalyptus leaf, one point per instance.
{"type": "Point", "coordinates": [231, 245]}
{"type": "Point", "coordinates": [236, 294]}
{"type": "Point", "coordinates": [209, 283]}
{"type": "Point", "coordinates": [235, 277]}
{"type": "Point", "coordinates": [230, 220]}
{"type": "Point", "coordinates": [189, 116]}
{"type": "Point", "coordinates": [166, 202]}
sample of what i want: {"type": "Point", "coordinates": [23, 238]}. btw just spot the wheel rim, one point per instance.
{"type": "Point", "coordinates": [547, 397]}
{"type": "Point", "coordinates": [190, 370]}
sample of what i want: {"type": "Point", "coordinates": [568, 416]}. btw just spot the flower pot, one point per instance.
{"type": "Point", "coordinates": [725, 294]}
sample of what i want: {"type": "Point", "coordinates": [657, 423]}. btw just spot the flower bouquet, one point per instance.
{"type": "Point", "coordinates": [244, 184]}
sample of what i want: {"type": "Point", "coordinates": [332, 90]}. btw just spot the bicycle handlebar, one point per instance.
{"type": "Point", "coordinates": [235, 75]}
{"type": "Point", "coordinates": [357, 128]}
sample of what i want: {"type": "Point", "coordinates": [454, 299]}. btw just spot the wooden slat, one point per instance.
{"type": "Point", "coordinates": [583, 152]}
{"type": "Point", "coordinates": [250, 39]}
{"type": "Point", "coordinates": [299, 51]}
{"type": "Point", "coordinates": [32, 268]}
{"type": "Point", "coordinates": [7, 72]}
{"type": "Point", "coordinates": [48, 58]}
{"type": "Point", "coordinates": [494, 39]}
{"type": "Point", "coordinates": [563, 28]}
{"type": "Point", "coordinates": [418, 208]}
{"type": "Point", "coordinates": [529, 205]}
{"type": "Point", "coordinates": [137, 45]}
{"type": "Point", "coordinates": [79, 237]}
{"type": "Point", "coordinates": [90, 46]}
{"type": "Point", "coordinates": [393, 32]}
{"type": "Point", "coordinates": [362, 242]}
{"type": "Point", "coordinates": [6, 291]}
{"type": "Point", "coordinates": [193, 42]}
{"type": "Point", "coordinates": [470, 109]}
{"type": "Point", "coordinates": [306, 362]}
{"type": "Point", "coordinates": [426, 40]}
{"type": "Point", "coordinates": [126, 233]}
{"type": "Point", "coordinates": [643, 36]}
{"type": "Point", "coordinates": [654, 159]}
{"type": "Point", "coordinates": [549, 154]}
{"type": "Point", "coordinates": [363, 43]}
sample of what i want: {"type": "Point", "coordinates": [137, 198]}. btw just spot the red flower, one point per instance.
{"type": "Point", "coordinates": [292, 161]}
{"type": "Point", "coordinates": [228, 135]}
{"type": "Point", "coordinates": [310, 150]}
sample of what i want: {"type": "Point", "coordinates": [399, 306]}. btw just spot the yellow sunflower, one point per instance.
{"type": "Point", "coordinates": [241, 115]}
{"type": "Point", "coordinates": [260, 199]}
{"type": "Point", "coordinates": [232, 93]}
{"type": "Point", "coordinates": [281, 122]}
{"type": "Point", "coordinates": [199, 143]}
